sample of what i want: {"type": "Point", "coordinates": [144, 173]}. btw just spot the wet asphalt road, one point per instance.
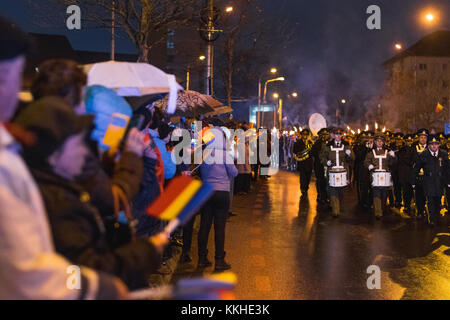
{"type": "Point", "coordinates": [282, 247]}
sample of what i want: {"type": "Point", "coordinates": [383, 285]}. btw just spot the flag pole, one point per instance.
{"type": "Point", "coordinates": [113, 31]}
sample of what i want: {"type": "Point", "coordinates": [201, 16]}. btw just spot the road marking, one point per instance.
{"type": "Point", "coordinates": [255, 230]}
{"type": "Point", "coordinates": [257, 260]}
{"type": "Point", "coordinates": [262, 283]}
{"type": "Point", "coordinates": [256, 243]}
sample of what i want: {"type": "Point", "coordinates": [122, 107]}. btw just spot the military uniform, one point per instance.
{"type": "Point", "coordinates": [396, 144]}
{"type": "Point", "coordinates": [336, 154]}
{"type": "Point", "coordinates": [362, 175]}
{"type": "Point", "coordinates": [405, 163]}
{"type": "Point", "coordinates": [447, 188]}
{"type": "Point", "coordinates": [435, 166]}
{"type": "Point", "coordinates": [380, 159]}
{"type": "Point", "coordinates": [419, 193]}
{"type": "Point", "coordinates": [305, 167]}
{"type": "Point", "coordinates": [319, 170]}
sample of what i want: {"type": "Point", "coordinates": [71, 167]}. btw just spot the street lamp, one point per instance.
{"type": "Point", "coordinates": [276, 95]}
{"type": "Point", "coordinates": [229, 9]}
{"type": "Point", "coordinates": [295, 94]}
{"type": "Point", "coordinates": [342, 102]}
{"type": "Point", "coordinates": [273, 70]}
{"type": "Point", "coordinates": [429, 17]}
{"type": "Point", "coordinates": [202, 58]}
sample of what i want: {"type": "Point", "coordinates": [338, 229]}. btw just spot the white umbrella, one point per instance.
{"type": "Point", "coordinates": [134, 79]}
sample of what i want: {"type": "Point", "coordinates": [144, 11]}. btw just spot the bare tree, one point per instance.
{"type": "Point", "coordinates": [145, 22]}
{"type": "Point", "coordinates": [247, 47]}
{"type": "Point", "coordinates": [409, 100]}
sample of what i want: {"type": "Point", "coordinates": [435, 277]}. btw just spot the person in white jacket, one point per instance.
{"type": "Point", "coordinates": [29, 266]}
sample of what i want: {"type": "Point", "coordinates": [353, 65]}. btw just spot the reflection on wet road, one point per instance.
{"type": "Point", "coordinates": [284, 247]}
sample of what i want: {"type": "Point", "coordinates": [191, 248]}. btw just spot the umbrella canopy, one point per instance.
{"type": "Point", "coordinates": [219, 111]}
{"type": "Point", "coordinates": [191, 103]}
{"type": "Point", "coordinates": [133, 79]}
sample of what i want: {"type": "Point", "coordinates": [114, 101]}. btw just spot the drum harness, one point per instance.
{"type": "Point", "coordinates": [380, 159]}
{"type": "Point", "coordinates": [337, 156]}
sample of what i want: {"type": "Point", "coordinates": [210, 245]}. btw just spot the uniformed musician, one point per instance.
{"type": "Point", "coordinates": [379, 162]}
{"type": "Point", "coordinates": [337, 155]}
{"type": "Point", "coordinates": [434, 163]}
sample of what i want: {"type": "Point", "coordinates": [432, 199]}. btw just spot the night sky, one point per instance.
{"type": "Point", "coordinates": [331, 35]}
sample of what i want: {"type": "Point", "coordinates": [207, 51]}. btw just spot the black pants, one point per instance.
{"type": "Point", "coordinates": [321, 183]}
{"type": "Point", "coordinates": [305, 179]}
{"type": "Point", "coordinates": [407, 194]}
{"type": "Point", "coordinates": [434, 208]}
{"type": "Point", "coordinates": [242, 183]}
{"type": "Point", "coordinates": [397, 189]}
{"type": "Point", "coordinates": [420, 198]}
{"type": "Point", "coordinates": [215, 210]}
{"type": "Point", "coordinates": [365, 191]}
{"type": "Point", "coordinates": [187, 235]}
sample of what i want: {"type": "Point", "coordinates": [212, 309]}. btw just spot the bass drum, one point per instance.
{"type": "Point", "coordinates": [338, 178]}
{"type": "Point", "coordinates": [381, 179]}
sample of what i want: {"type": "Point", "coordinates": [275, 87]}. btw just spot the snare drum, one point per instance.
{"type": "Point", "coordinates": [381, 179]}
{"type": "Point", "coordinates": [338, 178]}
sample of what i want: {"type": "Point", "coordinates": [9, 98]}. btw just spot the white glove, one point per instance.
{"type": "Point", "coordinates": [392, 154]}
{"type": "Point", "coordinates": [448, 186]}
{"type": "Point", "coordinates": [348, 152]}
{"type": "Point", "coordinates": [413, 186]}
{"type": "Point", "coordinates": [329, 163]}
{"type": "Point", "coordinates": [371, 167]}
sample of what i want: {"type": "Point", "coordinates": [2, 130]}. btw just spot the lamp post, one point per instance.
{"type": "Point", "coordinates": [265, 93]}
{"type": "Point", "coordinates": [258, 116]}
{"type": "Point", "coordinates": [280, 108]}
{"type": "Point", "coordinates": [210, 34]}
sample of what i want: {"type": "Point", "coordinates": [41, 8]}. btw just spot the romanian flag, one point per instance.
{"type": "Point", "coordinates": [203, 194]}
{"type": "Point", "coordinates": [207, 136]}
{"type": "Point", "coordinates": [214, 287]}
{"type": "Point", "coordinates": [439, 108]}
{"type": "Point", "coordinates": [174, 199]}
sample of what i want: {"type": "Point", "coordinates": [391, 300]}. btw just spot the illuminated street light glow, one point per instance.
{"type": "Point", "coordinates": [398, 46]}
{"type": "Point", "coordinates": [343, 101]}
{"type": "Point", "coordinates": [276, 95]}
{"type": "Point", "coordinates": [229, 9]}
{"type": "Point", "coordinates": [295, 94]}
{"type": "Point", "coordinates": [202, 58]}
{"type": "Point", "coordinates": [273, 70]}
{"type": "Point", "coordinates": [429, 16]}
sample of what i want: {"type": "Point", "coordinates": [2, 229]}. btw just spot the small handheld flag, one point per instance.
{"type": "Point", "coordinates": [174, 198]}
{"type": "Point", "coordinates": [191, 208]}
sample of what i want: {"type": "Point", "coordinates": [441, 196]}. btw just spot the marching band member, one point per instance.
{"type": "Point", "coordinates": [337, 155]}
{"type": "Point", "coordinates": [435, 165]}
{"type": "Point", "coordinates": [420, 147]}
{"type": "Point", "coordinates": [396, 144]}
{"type": "Point", "coordinates": [405, 162]}
{"type": "Point", "coordinates": [305, 162]}
{"type": "Point", "coordinates": [378, 162]}
{"type": "Point", "coordinates": [319, 171]}
{"type": "Point", "coordinates": [362, 175]}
